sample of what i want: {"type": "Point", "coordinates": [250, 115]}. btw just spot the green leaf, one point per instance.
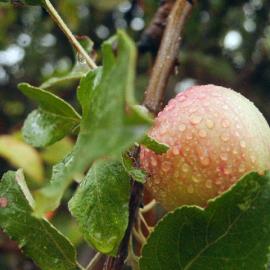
{"type": "Point", "coordinates": [137, 174]}
{"type": "Point", "coordinates": [110, 124]}
{"type": "Point", "coordinates": [101, 205]}
{"type": "Point", "coordinates": [152, 144]}
{"type": "Point", "coordinates": [49, 197]}
{"type": "Point", "coordinates": [233, 232]}
{"type": "Point", "coordinates": [21, 155]}
{"type": "Point", "coordinates": [52, 121]}
{"type": "Point", "coordinates": [36, 237]}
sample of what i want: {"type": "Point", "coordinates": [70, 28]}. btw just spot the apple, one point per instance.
{"type": "Point", "coordinates": [215, 136]}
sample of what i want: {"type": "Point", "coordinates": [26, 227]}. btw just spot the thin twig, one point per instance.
{"type": "Point", "coordinates": [132, 259]}
{"type": "Point", "coordinates": [139, 236]}
{"type": "Point", "coordinates": [149, 229]}
{"type": "Point", "coordinates": [148, 207]}
{"type": "Point", "coordinates": [75, 43]}
{"type": "Point", "coordinates": [166, 55]}
{"type": "Point", "coordinates": [93, 263]}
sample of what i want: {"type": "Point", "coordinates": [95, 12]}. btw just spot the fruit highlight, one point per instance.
{"type": "Point", "coordinates": [215, 136]}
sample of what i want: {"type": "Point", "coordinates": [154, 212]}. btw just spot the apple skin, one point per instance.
{"type": "Point", "coordinates": [215, 136]}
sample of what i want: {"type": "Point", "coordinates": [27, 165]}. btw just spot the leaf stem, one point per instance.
{"type": "Point", "coordinates": [93, 263]}
{"type": "Point", "coordinates": [148, 207]}
{"type": "Point", "coordinates": [62, 25]}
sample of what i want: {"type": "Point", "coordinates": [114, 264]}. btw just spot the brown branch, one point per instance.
{"type": "Point", "coordinates": [161, 72]}
{"type": "Point", "coordinates": [166, 56]}
{"type": "Point", "coordinates": [151, 37]}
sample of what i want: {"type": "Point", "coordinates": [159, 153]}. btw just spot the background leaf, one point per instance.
{"type": "Point", "coordinates": [52, 121]}
{"type": "Point", "coordinates": [36, 237]}
{"type": "Point", "coordinates": [101, 205]}
{"type": "Point", "coordinates": [232, 233]}
{"type": "Point", "coordinates": [21, 155]}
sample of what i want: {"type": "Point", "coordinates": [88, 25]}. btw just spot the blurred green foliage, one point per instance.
{"type": "Point", "coordinates": [224, 42]}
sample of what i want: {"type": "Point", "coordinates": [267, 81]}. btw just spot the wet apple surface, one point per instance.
{"type": "Point", "coordinates": [215, 136]}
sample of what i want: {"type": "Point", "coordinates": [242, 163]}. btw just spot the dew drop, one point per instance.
{"type": "Point", "coordinates": [205, 161]}
{"type": "Point", "coordinates": [219, 182]}
{"type": "Point", "coordinates": [241, 168]}
{"type": "Point", "coordinates": [190, 189]}
{"type": "Point", "coordinates": [209, 123]}
{"type": "Point", "coordinates": [208, 184]}
{"type": "Point", "coordinates": [175, 151]}
{"type": "Point", "coordinates": [202, 133]}
{"type": "Point", "coordinates": [153, 162]}
{"type": "Point", "coordinates": [223, 156]}
{"type": "Point", "coordinates": [195, 119]}
{"type": "Point", "coordinates": [227, 171]}
{"type": "Point", "coordinates": [182, 127]}
{"type": "Point", "coordinates": [225, 137]}
{"type": "Point", "coordinates": [243, 144]}
{"type": "Point", "coordinates": [165, 166]}
{"type": "Point", "coordinates": [185, 168]}
{"type": "Point", "coordinates": [195, 179]}
{"type": "Point", "coordinates": [157, 181]}
{"type": "Point", "coordinates": [189, 136]}
{"type": "Point", "coordinates": [81, 58]}
{"type": "Point", "coordinates": [225, 123]}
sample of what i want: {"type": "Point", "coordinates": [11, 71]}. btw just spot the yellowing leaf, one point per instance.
{"type": "Point", "coordinates": [21, 155]}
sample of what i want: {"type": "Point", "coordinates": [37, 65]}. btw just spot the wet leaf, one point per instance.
{"type": "Point", "coordinates": [36, 237]}
{"type": "Point", "coordinates": [233, 232]}
{"type": "Point", "coordinates": [100, 205]}
{"type": "Point", "coordinates": [52, 121]}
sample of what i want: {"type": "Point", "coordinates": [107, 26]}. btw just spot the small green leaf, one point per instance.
{"type": "Point", "coordinates": [21, 155]}
{"type": "Point", "coordinates": [152, 144]}
{"type": "Point", "coordinates": [100, 205]}
{"type": "Point", "coordinates": [137, 174]}
{"type": "Point", "coordinates": [233, 232]}
{"type": "Point", "coordinates": [52, 121]}
{"type": "Point", "coordinates": [36, 237]}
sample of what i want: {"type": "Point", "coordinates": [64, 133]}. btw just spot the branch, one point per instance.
{"type": "Point", "coordinates": [75, 43]}
{"type": "Point", "coordinates": [151, 37]}
{"type": "Point", "coordinates": [161, 72]}
{"type": "Point", "coordinates": [166, 55]}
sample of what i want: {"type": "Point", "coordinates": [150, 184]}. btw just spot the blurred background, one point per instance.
{"type": "Point", "coordinates": [224, 42]}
